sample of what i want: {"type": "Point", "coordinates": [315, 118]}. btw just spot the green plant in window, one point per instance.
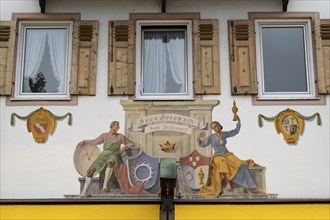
{"type": "Point", "coordinates": [38, 84]}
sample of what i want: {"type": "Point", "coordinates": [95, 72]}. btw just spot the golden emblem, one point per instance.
{"type": "Point", "coordinates": [40, 123]}
{"type": "Point", "coordinates": [290, 125]}
{"type": "Point", "coordinates": [167, 147]}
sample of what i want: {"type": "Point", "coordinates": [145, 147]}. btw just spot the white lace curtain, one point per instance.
{"type": "Point", "coordinates": [35, 45]}
{"type": "Point", "coordinates": [164, 57]}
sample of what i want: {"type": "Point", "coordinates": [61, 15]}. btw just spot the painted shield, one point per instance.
{"type": "Point", "coordinates": [143, 168]}
{"type": "Point", "coordinates": [41, 123]}
{"type": "Point", "coordinates": [195, 170]}
{"type": "Point", "coordinates": [84, 156]}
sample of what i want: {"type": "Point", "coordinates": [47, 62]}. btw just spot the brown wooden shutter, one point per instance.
{"type": "Point", "coordinates": [84, 58]}
{"type": "Point", "coordinates": [121, 58]}
{"type": "Point", "coordinates": [7, 48]}
{"type": "Point", "coordinates": [206, 57]}
{"type": "Point", "coordinates": [322, 48]}
{"type": "Point", "coordinates": [242, 56]}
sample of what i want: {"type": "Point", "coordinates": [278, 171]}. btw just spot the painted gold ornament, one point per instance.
{"type": "Point", "coordinates": [201, 176]}
{"type": "Point", "coordinates": [167, 147]}
{"type": "Point", "coordinates": [234, 109]}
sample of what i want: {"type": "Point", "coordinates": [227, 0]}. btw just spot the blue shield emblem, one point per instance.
{"type": "Point", "coordinates": [143, 168]}
{"type": "Point", "coordinates": [195, 170]}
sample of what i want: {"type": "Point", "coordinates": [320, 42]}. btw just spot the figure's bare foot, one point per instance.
{"type": "Point", "coordinates": [228, 186]}
{"type": "Point", "coordinates": [105, 190]}
{"type": "Point", "coordinates": [256, 190]}
{"type": "Point", "coordinates": [83, 196]}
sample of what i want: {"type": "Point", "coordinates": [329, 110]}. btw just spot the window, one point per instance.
{"type": "Point", "coordinates": [172, 58]}
{"type": "Point", "coordinates": [55, 58]}
{"type": "Point", "coordinates": [164, 60]}
{"type": "Point", "coordinates": [44, 60]}
{"type": "Point", "coordinates": [284, 59]}
{"type": "Point", "coordinates": [280, 56]}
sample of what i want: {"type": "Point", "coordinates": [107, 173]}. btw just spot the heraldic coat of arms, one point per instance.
{"type": "Point", "coordinates": [144, 168]}
{"type": "Point", "coordinates": [195, 170]}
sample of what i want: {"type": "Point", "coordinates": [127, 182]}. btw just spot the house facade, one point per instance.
{"type": "Point", "coordinates": [270, 57]}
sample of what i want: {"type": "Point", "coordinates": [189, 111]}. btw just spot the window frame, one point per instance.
{"type": "Point", "coordinates": [309, 61]}
{"type": "Point", "coordinates": [189, 95]}
{"type": "Point", "coordinates": [20, 59]}
{"type": "Point", "coordinates": [16, 17]}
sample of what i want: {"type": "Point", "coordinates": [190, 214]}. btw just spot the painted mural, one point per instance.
{"type": "Point", "coordinates": [124, 169]}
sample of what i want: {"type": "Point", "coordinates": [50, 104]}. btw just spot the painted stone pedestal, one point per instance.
{"type": "Point", "coordinates": [168, 129]}
{"type": "Point", "coordinates": [181, 190]}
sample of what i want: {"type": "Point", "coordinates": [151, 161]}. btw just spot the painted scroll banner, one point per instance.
{"type": "Point", "coordinates": [167, 122]}
{"type": "Point", "coordinates": [168, 127]}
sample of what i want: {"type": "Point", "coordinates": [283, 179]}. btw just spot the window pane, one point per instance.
{"type": "Point", "coordinates": [45, 60]}
{"type": "Point", "coordinates": [164, 65]}
{"type": "Point", "coordinates": [284, 59]}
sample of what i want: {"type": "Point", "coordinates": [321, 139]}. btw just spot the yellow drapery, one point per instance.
{"type": "Point", "coordinates": [220, 165]}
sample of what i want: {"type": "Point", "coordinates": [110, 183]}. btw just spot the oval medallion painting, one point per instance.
{"type": "Point", "coordinates": [290, 125]}
{"type": "Point", "coordinates": [41, 123]}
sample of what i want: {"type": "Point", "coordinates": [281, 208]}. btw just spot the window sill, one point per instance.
{"type": "Point", "coordinates": [19, 102]}
{"type": "Point", "coordinates": [174, 97]}
{"type": "Point", "coordinates": [319, 100]}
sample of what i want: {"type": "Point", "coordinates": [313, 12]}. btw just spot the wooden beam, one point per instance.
{"type": "Point", "coordinates": [42, 4]}
{"type": "Point", "coordinates": [163, 2]}
{"type": "Point", "coordinates": [285, 5]}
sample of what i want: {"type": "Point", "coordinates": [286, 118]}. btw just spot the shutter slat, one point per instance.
{"type": "Point", "coordinates": [121, 76]}
{"type": "Point", "coordinates": [84, 58]}
{"type": "Point", "coordinates": [242, 57]}
{"type": "Point", "coordinates": [7, 48]}
{"type": "Point", "coordinates": [206, 57]}
{"type": "Point", "coordinates": [322, 48]}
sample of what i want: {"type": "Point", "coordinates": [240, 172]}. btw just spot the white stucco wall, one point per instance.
{"type": "Point", "coordinates": [31, 170]}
